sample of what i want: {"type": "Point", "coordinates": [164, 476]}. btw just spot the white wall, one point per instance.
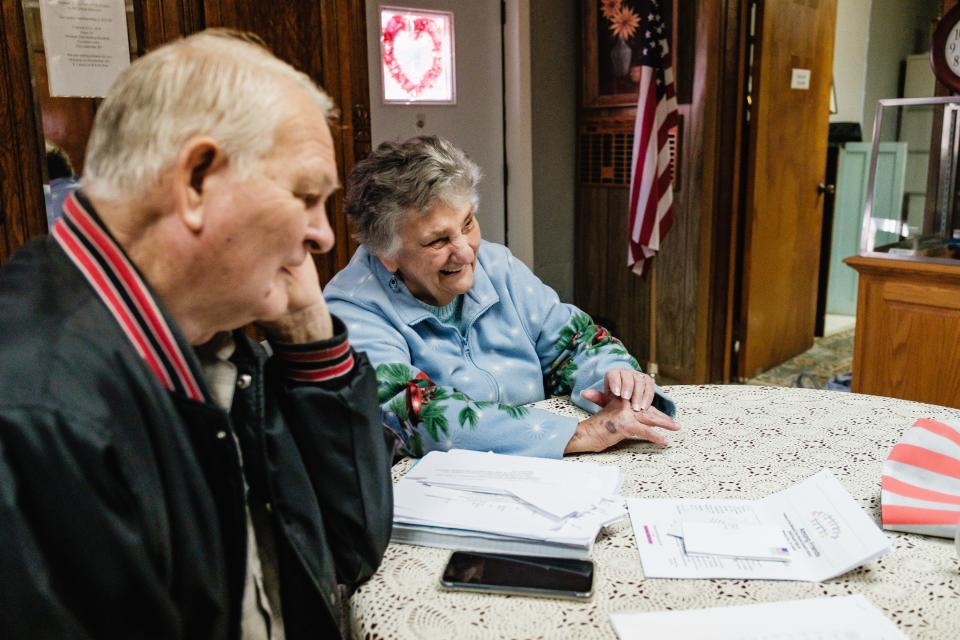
{"type": "Point", "coordinates": [850, 59]}
{"type": "Point", "coordinates": [554, 36]}
{"type": "Point", "coordinates": [475, 122]}
{"type": "Point", "coordinates": [897, 29]}
{"type": "Point", "coordinates": [540, 44]}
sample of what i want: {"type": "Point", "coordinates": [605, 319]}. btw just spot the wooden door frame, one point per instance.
{"type": "Point", "coordinates": [22, 208]}
{"type": "Point", "coordinates": [728, 193]}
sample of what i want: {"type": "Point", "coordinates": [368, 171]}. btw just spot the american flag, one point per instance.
{"type": "Point", "coordinates": [651, 194]}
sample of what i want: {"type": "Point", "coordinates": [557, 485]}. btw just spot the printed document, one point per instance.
{"type": "Point", "coordinates": [842, 618]}
{"type": "Point", "coordinates": [826, 534]}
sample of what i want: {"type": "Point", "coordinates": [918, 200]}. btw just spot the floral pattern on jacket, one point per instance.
{"type": "Point", "coordinates": [442, 387]}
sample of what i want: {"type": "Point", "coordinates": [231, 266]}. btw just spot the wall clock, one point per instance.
{"type": "Point", "coordinates": [945, 50]}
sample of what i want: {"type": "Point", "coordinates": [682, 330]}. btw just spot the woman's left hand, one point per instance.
{"type": "Point", "coordinates": [627, 384]}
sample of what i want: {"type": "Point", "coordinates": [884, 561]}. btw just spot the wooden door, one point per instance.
{"type": "Point", "coordinates": [785, 162]}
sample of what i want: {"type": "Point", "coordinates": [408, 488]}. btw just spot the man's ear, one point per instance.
{"type": "Point", "coordinates": [390, 264]}
{"type": "Point", "coordinates": [198, 160]}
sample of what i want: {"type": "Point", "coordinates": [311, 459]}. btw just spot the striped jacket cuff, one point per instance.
{"type": "Point", "coordinates": [322, 361]}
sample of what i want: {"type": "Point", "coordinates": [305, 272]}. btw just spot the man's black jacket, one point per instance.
{"type": "Point", "coordinates": [122, 503]}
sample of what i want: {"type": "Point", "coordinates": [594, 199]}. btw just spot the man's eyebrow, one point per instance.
{"type": "Point", "coordinates": [324, 184]}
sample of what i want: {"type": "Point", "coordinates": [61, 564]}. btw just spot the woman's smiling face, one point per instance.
{"type": "Point", "coordinates": [438, 252]}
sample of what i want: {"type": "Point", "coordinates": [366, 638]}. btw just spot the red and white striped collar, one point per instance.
{"type": "Point", "coordinates": [87, 242]}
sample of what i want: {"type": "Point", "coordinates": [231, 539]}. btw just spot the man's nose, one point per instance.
{"type": "Point", "coordinates": [319, 238]}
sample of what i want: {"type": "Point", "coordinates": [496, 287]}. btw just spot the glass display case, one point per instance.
{"type": "Point", "coordinates": [911, 206]}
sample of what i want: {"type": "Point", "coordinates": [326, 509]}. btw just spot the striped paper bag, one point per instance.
{"type": "Point", "coordinates": [920, 490]}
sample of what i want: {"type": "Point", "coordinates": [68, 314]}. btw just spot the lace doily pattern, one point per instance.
{"type": "Point", "coordinates": [735, 442]}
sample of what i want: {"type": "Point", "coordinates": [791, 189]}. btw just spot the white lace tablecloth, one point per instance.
{"type": "Point", "coordinates": [735, 442]}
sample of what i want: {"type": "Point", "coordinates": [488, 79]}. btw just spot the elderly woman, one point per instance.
{"type": "Point", "coordinates": [462, 334]}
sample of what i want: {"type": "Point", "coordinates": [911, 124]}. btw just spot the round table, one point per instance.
{"type": "Point", "coordinates": [736, 442]}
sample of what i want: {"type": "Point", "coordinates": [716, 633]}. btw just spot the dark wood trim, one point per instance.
{"type": "Point", "coordinates": [740, 239]}
{"type": "Point", "coordinates": [327, 41]}
{"type": "Point", "coordinates": [728, 195]}
{"type": "Point", "coordinates": [21, 177]}
{"type": "Point", "coordinates": [159, 21]}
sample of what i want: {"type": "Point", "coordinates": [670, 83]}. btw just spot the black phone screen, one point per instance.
{"type": "Point", "coordinates": [519, 572]}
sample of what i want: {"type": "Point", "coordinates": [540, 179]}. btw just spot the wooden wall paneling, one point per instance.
{"type": "Point", "coordinates": [331, 14]}
{"type": "Point", "coordinates": [677, 269]}
{"type": "Point", "coordinates": [326, 40]}
{"type": "Point", "coordinates": [691, 319]}
{"type": "Point", "coordinates": [694, 263]}
{"type": "Point", "coordinates": [66, 121]}
{"type": "Point", "coordinates": [354, 102]}
{"type": "Point", "coordinates": [591, 249]}
{"type": "Point", "coordinates": [159, 21]}
{"type": "Point", "coordinates": [727, 159]}
{"type": "Point", "coordinates": [21, 178]}
{"type": "Point", "coordinates": [607, 290]}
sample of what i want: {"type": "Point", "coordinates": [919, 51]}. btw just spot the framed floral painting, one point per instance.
{"type": "Point", "coordinates": [611, 48]}
{"type": "Point", "coordinates": [417, 56]}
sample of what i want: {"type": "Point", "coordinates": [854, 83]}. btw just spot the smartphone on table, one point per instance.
{"type": "Point", "coordinates": [519, 575]}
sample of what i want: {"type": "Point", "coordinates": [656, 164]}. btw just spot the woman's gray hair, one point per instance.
{"type": "Point", "coordinates": [402, 176]}
{"type": "Point", "coordinates": [221, 83]}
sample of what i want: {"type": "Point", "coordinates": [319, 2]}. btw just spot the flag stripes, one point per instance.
{"type": "Point", "coordinates": [651, 188]}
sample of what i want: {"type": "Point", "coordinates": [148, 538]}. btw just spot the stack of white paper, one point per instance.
{"type": "Point", "coordinates": [812, 531]}
{"type": "Point", "coordinates": [489, 502]}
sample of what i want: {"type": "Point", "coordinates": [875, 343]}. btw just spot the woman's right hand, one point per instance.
{"type": "Point", "coordinates": [618, 421]}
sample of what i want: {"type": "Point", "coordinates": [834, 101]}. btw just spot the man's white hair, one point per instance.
{"type": "Point", "coordinates": [218, 83]}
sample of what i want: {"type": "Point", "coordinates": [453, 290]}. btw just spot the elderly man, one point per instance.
{"type": "Point", "coordinates": [160, 475]}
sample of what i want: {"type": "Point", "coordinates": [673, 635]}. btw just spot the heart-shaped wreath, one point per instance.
{"type": "Point", "coordinates": [420, 26]}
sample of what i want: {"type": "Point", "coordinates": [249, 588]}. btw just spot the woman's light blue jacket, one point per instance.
{"type": "Point", "coordinates": [443, 388]}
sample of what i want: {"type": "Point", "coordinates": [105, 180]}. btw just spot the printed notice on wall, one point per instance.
{"type": "Point", "coordinates": [86, 45]}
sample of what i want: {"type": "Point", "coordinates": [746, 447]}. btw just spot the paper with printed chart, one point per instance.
{"type": "Point", "coordinates": [826, 532]}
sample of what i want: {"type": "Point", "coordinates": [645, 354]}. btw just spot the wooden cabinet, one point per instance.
{"type": "Point", "coordinates": [907, 341]}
